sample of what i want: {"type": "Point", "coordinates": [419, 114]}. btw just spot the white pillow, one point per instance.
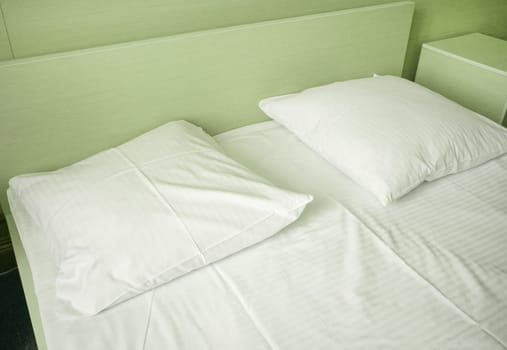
{"type": "Point", "coordinates": [388, 134]}
{"type": "Point", "coordinates": [133, 217]}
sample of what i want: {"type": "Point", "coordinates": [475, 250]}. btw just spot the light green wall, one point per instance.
{"type": "Point", "coordinates": [44, 26]}
{"type": "Point", "coordinates": [5, 50]}
{"type": "Point", "coordinates": [6, 257]}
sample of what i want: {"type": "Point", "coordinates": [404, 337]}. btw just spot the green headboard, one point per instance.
{"type": "Point", "coordinates": [60, 108]}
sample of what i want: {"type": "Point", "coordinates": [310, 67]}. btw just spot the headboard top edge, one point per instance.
{"type": "Point", "coordinates": [188, 35]}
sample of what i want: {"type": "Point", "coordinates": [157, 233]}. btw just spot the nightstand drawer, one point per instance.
{"type": "Point", "coordinates": [471, 70]}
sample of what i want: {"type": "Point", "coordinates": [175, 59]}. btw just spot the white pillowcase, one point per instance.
{"type": "Point", "coordinates": [387, 133]}
{"type": "Point", "coordinates": [133, 217]}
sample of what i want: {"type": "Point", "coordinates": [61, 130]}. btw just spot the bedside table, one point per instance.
{"type": "Point", "coordinates": [471, 70]}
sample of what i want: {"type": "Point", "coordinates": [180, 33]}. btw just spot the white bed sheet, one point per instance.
{"type": "Point", "coordinates": [426, 272]}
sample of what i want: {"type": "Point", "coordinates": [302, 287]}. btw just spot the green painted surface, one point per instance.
{"type": "Point", "coordinates": [60, 108]}
{"type": "Point", "coordinates": [27, 282]}
{"type": "Point", "coordinates": [471, 70]}
{"type": "Point", "coordinates": [477, 47]}
{"type": "Point", "coordinates": [47, 26]}
{"type": "Point", "coordinates": [5, 49]}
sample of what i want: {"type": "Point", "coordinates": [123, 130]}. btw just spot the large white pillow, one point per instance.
{"type": "Point", "coordinates": [133, 217]}
{"type": "Point", "coordinates": [387, 133]}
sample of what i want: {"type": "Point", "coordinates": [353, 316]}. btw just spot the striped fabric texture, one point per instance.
{"type": "Point", "coordinates": [427, 272]}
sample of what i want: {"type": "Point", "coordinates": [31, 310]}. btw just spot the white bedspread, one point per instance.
{"type": "Point", "coordinates": [427, 272]}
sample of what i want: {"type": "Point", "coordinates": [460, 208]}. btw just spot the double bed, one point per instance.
{"type": "Point", "coordinates": [425, 273]}
{"type": "Point", "coordinates": [428, 271]}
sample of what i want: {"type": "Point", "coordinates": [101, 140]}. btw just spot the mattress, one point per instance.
{"type": "Point", "coordinates": [426, 272]}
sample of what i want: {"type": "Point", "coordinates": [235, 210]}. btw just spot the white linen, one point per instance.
{"type": "Point", "coordinates": [146, 212]}
{"type": "Point", "coordinates": [427, 272]}
{"type": "Point", "coordinates": [387, 133]}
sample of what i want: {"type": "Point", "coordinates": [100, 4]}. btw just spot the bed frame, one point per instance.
{"type": "Point", "coordinates": [57, 109]}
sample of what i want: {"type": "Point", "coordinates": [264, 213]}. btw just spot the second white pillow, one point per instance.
{"type": "Point", "coordinates": [387, 133]}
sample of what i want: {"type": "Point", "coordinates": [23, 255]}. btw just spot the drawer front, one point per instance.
{"type": "Point", "coordinates": [475, 86]}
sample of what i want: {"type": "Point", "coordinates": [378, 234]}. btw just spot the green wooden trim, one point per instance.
{"type": "Point", "coordinates": [60, 108]}
{"type": "Point", "coordinates": [48, 26]}
{"type": "Point", "coordinates": [27, 282]}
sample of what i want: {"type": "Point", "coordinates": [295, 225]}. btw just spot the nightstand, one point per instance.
{"type": "Point", "coordinates": [469, 69]}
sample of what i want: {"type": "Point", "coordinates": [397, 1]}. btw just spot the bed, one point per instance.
{"type": "Point", "coordinates": [425, 272]}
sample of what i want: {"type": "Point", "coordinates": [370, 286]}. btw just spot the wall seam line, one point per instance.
{"type": "Point", "coordinates": [7, 31]}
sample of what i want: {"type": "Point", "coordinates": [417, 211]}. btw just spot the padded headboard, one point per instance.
{"type": "Point", "coordinates": [60, 108]}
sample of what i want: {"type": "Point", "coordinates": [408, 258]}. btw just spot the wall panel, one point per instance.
{"type": "Point", "coordinates": [46, 26]}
